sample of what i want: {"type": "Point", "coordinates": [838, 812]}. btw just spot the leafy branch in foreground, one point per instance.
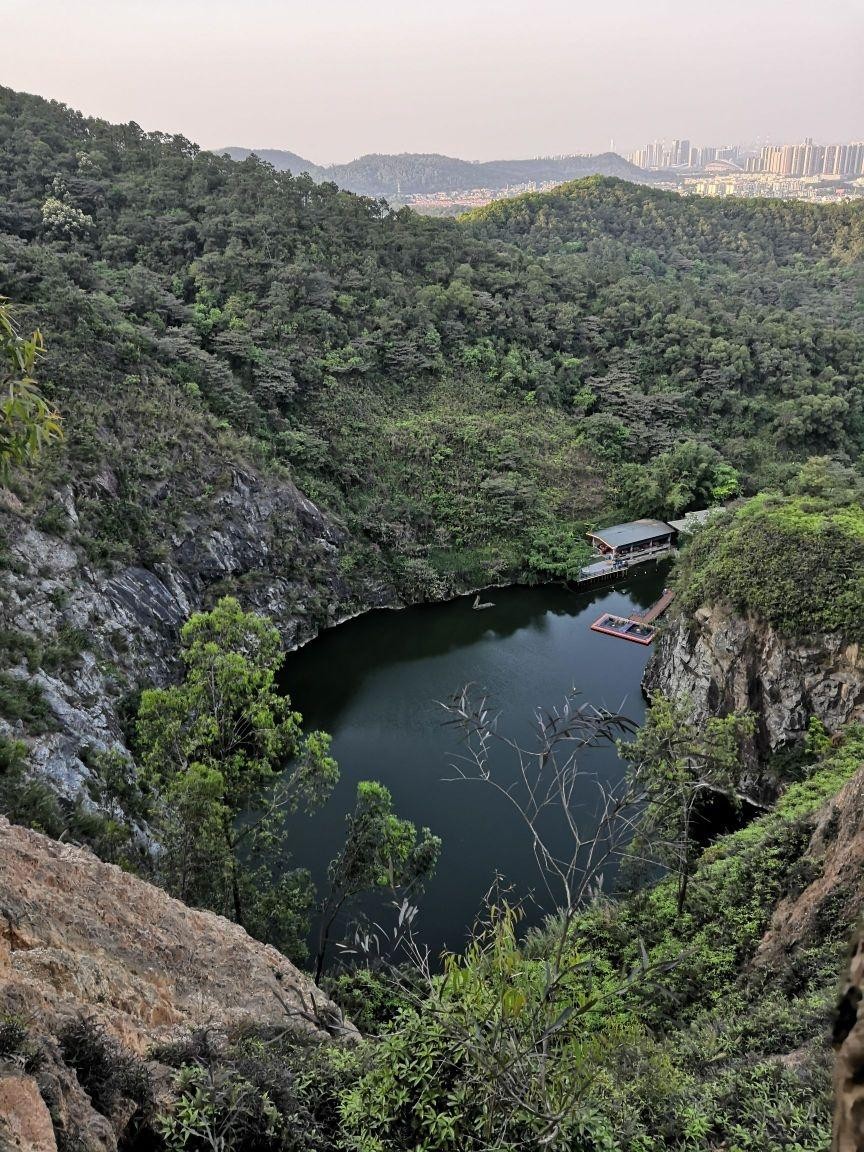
{"type": "Point", "coordinates": [381, 851]}
{"type": "Point", "coordinates": [27, 421]}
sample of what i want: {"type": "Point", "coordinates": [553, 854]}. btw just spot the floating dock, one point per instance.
{"type": "Point", "coordinates": [636, 627]}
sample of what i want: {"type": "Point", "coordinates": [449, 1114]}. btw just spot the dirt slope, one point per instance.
{"type": "Point", "coordinates": [77, 935]}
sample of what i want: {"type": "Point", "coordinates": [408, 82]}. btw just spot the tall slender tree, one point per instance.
{"type": "Point", "coordinates": [226, 758]}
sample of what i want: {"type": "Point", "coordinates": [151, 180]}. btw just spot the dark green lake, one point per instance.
{"type": "Point", "coordinates": [374, 684]}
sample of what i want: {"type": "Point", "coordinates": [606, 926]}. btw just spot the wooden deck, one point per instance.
{"type": "Point", "coordinates": [605, 572]}
{"type": "Point", "coordinates": [623, 628]}
{"type": "Point", "coordinates": [656, 609]}
{"type": "Point", "coordinates": [637, 626]}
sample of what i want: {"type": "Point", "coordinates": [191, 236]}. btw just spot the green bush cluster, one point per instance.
{"type": "Point", "coordinates": [709, 1051]}
{"type": "Point", "coordinates": [107, 1073]}
{"type": "Point", "coordinates": [793, 560]}
{"type": "Point", "coordinates": [273, 1090]}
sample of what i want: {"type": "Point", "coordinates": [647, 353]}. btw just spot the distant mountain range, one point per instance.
{"type": "Point", "coordinates": [414, 173]}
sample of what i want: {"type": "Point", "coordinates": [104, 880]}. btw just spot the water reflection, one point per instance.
{"type": "Point", "coordinates": [374, 682]}
{"type": "Point", "coordinates": [327, 674]}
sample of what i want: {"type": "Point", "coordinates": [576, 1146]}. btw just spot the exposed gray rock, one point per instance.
{"type": "Point", "coordinates": [147, 599]}
{"type": "Point", "coordinates": [262, 540]}
{"type": "Point", "coordinates": [726, 663]}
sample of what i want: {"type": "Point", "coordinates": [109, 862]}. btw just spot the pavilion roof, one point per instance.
{"type": "Point", "coordinates": [634, 532]}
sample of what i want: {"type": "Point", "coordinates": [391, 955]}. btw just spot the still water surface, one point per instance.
{"type": "Point", "coordinates": [374, 683]}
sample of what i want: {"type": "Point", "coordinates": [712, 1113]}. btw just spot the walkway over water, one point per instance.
{"type": "Point", "coordinates": [656, 609]}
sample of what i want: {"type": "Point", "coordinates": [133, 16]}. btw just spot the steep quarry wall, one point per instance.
{"type": "Point", "coordinates": [262, 540]}
{"type": "Point", "coordinates": [726, 663]}
{"type": "Point", "coordinates": [80, 939]}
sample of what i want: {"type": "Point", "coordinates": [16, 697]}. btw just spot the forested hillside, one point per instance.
{"type": "Point", "coordinates": [464, 396]}
{"type": "Point", "coordinates": [407, 173]}
{"type": "Point", "coordinates": [287, 393]}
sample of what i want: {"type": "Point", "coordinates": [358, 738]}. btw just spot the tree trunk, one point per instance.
{"type": "Point", "coordinates": [323, 937]}
{"type": "Point", "coordinates": [683, 880]}
{"type": "Point", "coordinates": [235, 893]}
{"type": "Point", "coordinates": [684, 874]}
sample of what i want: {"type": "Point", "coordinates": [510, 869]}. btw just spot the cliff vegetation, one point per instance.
{"type": "Point", "coordinates": [282, 403]}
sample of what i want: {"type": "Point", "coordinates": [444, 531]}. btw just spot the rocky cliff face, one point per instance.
{"type": "Point", "coordinates": [80, 935]}
{"type": "Point", "coordinates": [262, 540]}
{"type": "Point", "coordinates": [833, 896]}
{"type": "Point", "coordinates": [79, 938]}
{"type": "Point", "coordinates": [849, 1060]}
{"type": "Point", "coordinates": [727, 663]}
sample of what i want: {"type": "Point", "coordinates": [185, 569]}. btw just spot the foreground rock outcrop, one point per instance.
{"type": "Point", "coordinates": [726, 663]}
{"type": "Point", "coordinates": [83, 941]}
{"type": "Point", "coordinates": [849, 1059]}
{"type": "Point", "coordinates": [832, 896]}
{"type": "Point", "coordinates": [79, 936]}
{"type": "Point", "coordinates": [25, 1122]}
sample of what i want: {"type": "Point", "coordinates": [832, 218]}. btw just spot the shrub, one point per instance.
{"type": "Point", "coordinates": [263, 1090]}
{"type": "Point", "coordinates": [23, 700]}
{"type": "Point", "coordinates": [106, 1072]}
{"type": "Point", "coordinates": [796, 562]}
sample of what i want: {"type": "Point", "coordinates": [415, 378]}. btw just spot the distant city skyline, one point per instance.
{"type": "Point", "coordinates": [804, 157]}
{"type": "Point", "coordinates": [475, 79]}
{"type": "Point", "coordinates": [657, 153]}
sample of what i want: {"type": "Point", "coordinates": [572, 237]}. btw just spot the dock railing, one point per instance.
{"type": "Point", "coordinates": [615, 568]}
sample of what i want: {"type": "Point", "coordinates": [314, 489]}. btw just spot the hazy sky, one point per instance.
{"type": "Point", "coordinates": [332, 79]}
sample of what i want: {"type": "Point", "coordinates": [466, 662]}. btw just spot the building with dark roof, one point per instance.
{"type": "Point", "coordinates": [637, 536]}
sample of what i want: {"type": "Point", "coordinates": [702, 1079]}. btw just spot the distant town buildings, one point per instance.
{"type": "Point", "coordinates": [820, 173]}
{"type": "Point", "coordinates": [809, 159]}
{"type": "Point", "coordinates": [679, 154]}
{"type": "Point", "coordinates": [804, 159]}
{"type": "Point", "coordinates": [805, 171]}
{"type": "Point", "coordinates": [447, 203]}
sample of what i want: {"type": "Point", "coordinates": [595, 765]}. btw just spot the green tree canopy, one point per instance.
{"type": "Point", "coordinates": [381, 851]}
{"type": "Point", "coordinates": [226, 756]}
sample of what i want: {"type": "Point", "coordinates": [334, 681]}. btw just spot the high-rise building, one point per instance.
{"type": "Point", "coordinates": [804, 159]}
{"type": "Point", "coordinates": [770, 159]}
{"type": "Point", "coordinates": [732, 154]}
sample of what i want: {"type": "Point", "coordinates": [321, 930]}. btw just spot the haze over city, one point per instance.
{"type": "Point", "coordinates": [476, 79]}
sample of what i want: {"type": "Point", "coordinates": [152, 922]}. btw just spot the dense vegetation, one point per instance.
{"type": "Point", "coordinates": [796, 560]}
{"type": "Point", "coordinates": [464, 395]}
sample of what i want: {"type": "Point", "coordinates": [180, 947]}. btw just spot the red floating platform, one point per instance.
{"type": "Point", "coordinates": [624, 629]}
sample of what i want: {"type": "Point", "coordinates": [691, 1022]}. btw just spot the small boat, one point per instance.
{"type": "Point", "coordinates": [478, 603]}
